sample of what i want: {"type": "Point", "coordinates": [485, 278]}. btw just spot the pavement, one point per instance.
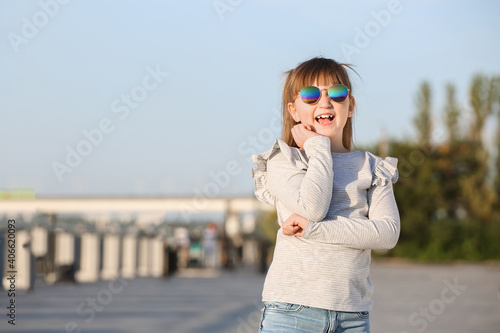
{"type": "Point", "coordinates": [408, 298]}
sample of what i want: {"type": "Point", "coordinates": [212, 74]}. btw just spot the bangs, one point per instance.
{"type": "Point", "coordinates": [323, 72]}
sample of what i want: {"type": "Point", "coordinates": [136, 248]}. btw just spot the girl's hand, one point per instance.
{"type": "Point", "coordinates": [294, 225]}
{"type": "Point", "coordinates": [301, 133]}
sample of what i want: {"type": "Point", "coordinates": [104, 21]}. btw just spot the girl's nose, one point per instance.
{"type": "Point", "coordinates": [324, 100]}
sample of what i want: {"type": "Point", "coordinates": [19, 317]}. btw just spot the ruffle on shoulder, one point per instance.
{"type": "Point", "coordinates": [386, 170]}
{"type": "Point", "coordinates": [259, 173]}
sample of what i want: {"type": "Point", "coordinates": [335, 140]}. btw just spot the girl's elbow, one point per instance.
{"type": "Point", "coordinates": [316, 215]}
{"type": "Point", "coordinates": [392, 243]}
{"type": "Point", "coordinates": [390, 240]}
{"type": "Point", "coordinates": [386, 244]}
{"type": "Point", "coordinates": [315, 210]}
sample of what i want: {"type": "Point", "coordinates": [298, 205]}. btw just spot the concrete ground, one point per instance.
{"type": "Point", "coordinates": [408, 298]}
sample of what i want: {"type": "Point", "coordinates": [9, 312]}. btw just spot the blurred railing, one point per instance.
{"type": "Point", "coordinates": [81, 240]}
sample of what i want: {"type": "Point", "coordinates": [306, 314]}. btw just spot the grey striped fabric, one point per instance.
{"type": "Point", "coordinates": [349, 201]}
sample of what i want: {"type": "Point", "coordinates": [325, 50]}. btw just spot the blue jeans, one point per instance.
{"type": "Point", "coordinates": [286, 317]}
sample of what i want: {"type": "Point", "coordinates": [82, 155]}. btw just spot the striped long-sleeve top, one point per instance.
{"type": "Point", "coordinates": [349, 202]}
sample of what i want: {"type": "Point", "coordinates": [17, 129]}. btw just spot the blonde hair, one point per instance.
{"type": "Point", "coordinates": [324, 71]}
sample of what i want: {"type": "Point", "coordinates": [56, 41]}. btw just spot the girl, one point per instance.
{"type": "Point", "coordinates": [334, 206]}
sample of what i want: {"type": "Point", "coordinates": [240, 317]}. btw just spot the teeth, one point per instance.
{"type": "Point", "coordinates": [325, 116]}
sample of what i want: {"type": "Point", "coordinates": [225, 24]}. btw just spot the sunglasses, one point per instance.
{"type": "Point", "coordinates": [311, 94]}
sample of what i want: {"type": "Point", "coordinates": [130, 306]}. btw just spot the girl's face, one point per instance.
{"type": "Point", "coordinates": [308, 114]}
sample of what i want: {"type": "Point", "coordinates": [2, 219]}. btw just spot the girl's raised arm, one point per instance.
{"type": "Point", "coordinates": [303, 189]}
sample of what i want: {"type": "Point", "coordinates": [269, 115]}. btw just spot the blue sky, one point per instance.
{"type": "Point", "coordinates": [183, 92]}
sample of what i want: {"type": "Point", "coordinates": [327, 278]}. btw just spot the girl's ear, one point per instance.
{"type": "Point", "coordinates": [352, 103]}
{"type": "Point", "coordinates": [293, 112]}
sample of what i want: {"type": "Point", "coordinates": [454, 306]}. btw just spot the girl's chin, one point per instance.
{"type": "Point", "coordinates": [325, 133]}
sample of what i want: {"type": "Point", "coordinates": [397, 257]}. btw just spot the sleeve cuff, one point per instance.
{"type": "Point", "coordinates": [319, 141]}
{"type": "Point", "coordinates": [307, 231]}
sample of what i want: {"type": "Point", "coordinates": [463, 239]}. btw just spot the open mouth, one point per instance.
{"type": "Point", "coordinates": [325, 119]}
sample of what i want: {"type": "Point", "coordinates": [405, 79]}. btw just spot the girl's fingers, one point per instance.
{"type": "Point", "coordinates": [292, 230]}
{"type": "Point", "coordinates": [310, 128]}
{"type": "Point", "coordinates": [303, 128]}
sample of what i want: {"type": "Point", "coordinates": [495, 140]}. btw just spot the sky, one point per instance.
{"type": "Point", "coordinates": [171, 98]}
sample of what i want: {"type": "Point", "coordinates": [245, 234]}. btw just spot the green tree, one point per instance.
{"type": "Point", "coordinates": [481, 99]}
{"type": "Point", "coordinates": [445, 200]}
{"type": "Point", "coordinates": [423, 120]}
{"type": "Point", "coordinates": [477, 193]}
{"type": "Point", "coordinates": [496, 106]}
{"type": "Point", "coordinates": [452, 114]}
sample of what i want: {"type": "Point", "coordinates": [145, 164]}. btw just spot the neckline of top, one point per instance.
{"type": "Point", "coordinates": [349, 153]}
